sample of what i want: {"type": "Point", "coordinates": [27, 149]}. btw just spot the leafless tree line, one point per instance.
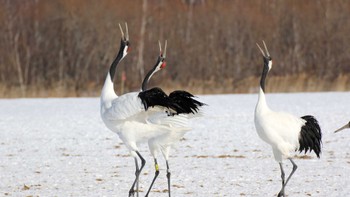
{"type": "Point", "coordinates": [66, 46]}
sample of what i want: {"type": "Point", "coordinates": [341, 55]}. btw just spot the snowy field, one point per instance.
{"type": "Point", "coordinates": [60, 147]}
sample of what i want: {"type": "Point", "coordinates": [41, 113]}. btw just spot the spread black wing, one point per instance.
{"type": "Point", "coordinates": [184, 102]}
{"type": "Point", "coordinates": [154, 97]}
{"type": "Point", "coordinates": [180, 101]}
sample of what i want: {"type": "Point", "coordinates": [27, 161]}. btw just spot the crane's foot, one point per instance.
{"type": "Point", "coordinates": [280, 194]}
{"type": "Point", "coordinates": [131, 193]}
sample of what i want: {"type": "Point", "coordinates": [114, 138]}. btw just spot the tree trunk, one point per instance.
{"type": "Point", "coordinates": [18, 66]}
{"type": "Point", "coordinates": [140, 61]}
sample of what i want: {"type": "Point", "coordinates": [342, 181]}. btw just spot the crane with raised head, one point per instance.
{"type": "Point", "coordinates": [125, 114]}
{"type": "Point", "coordinates": [181, 107]}
{"type": "Point", "coordinates": [135, 116]}
{"type": "Point", "coordinates": [284, 132]}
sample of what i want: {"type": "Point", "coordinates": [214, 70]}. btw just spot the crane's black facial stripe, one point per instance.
{"type": "Point", "coordinates": [266, 60]}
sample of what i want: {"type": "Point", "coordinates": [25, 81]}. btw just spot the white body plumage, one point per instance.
{"type": "Point", "coordinates": [126, 116]}
{"type": "Point", "coordinates": [284, 132]}
{"type": "Point", "coordinates": [279, 129]}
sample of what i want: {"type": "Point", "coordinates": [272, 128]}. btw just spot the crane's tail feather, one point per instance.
{"type": "Point", "coordinates": [310, 136]}
{"type": "Point", "coordinates": [181, 102]}
{"type": "Point", "coordinates": [184, 102]}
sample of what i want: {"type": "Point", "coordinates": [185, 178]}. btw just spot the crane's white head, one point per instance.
{"type": "Point", "coordinates": [266, 56]}
{"type": "Point", "coordinates": [124, 43]}
{"type": "Point", "coordinates": [343, 127]}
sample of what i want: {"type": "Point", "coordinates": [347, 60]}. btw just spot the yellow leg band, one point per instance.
{"type": "Point", "coordinates": [157, 167]}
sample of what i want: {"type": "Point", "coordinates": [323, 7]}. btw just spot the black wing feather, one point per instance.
{"type": "Point", "coordinates": [184, 100]}
{"type": "Point", "coordinates": [154, 97]}
{"type": "Point", "coordinates": [180, 101]}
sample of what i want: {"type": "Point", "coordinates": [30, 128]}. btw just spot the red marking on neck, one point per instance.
{"type": "Point", "coordinates": [163, 65]}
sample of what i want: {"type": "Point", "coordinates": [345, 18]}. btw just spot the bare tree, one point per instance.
{"type": "Point", "coordinates": [69, 44]}
{"type": "Point", "coordinates": [140, 61]}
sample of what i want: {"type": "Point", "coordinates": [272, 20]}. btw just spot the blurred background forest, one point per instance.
{"type": "Point", "coordinates": [64, 48]}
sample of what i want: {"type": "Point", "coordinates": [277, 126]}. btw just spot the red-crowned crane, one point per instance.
{"type": "Point", "coordinates": [343, 127]}
{"type": "Point", "coordinates": [175, 122]}
{"type": "Point", "coordinates": [125, 115]}
{"type": "Point", "coordinates": [135, 116]}
{"type": "Point", "coordinates": [284, 132]}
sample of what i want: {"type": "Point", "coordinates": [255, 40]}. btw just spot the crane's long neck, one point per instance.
{"type": "Point", "coordinates": [150, 73]}
{"type": "Point", "coordinates": [108, 92]}
{"type": "Point", "coordinates": [262, 105]}
{"type": "Point", "coordinates": [147, 78]}
{"type": "Point", "coordinates": [264, 75]}
{"type": "Point", "coordinates": [116, 61]}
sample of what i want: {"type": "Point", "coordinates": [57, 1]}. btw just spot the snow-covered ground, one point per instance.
{"type": "Point", "coordinates": [60, 147]}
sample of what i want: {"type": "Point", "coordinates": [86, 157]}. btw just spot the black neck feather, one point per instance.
{"type": "Point", "coordinates": [264, 74]}
{"type": "Point", "coordinates": [146, 79]}
{"type": "Point", "coordinates": [114, 64]}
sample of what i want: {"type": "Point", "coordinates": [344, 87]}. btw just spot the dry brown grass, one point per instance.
{"type": "Point", "coordinates": [290, 83]}
{"type": "Point", "coordinates": [304, 83]}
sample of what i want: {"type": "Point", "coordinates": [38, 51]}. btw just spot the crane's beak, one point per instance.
{"type": "Point", "coordinates": [162, 53]}
{"type": "Point", "coordinates": [126, 31]}
{"type": "Point", "coordinates": [262, 51]}
{"type": "Point", "coordinates": [267, 51]}
{"type": "Point", "coordinates": [344, 127]}
{"type": "Point", "coordinates": [126, 36]}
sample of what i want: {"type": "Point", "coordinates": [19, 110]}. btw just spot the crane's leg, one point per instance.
{"type": "Point", "coordinates": [155, 176]}
{"type": "Point", "coordinates": [168, 176]}
{"type": "Point", "coordinates": [137, 175]}
{"type": "Point", "coordinates": [132, 189]}
{"type": "Point", "coordinates": [294, 169]}
{"type": "Point", "coordinates": [281, 193]}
